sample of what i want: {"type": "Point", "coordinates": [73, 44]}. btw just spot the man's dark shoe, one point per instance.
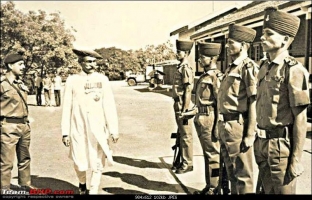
{"type": "Point", "coordinates": [184, 170]}
{"type": "Point", "coordinates": [82, 189]}
{"type": "Point", "coordinates": [206, 191]}
{"type": "Point", "coordinates": [176, 166]}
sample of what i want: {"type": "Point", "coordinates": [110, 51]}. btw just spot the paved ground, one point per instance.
{"type": "Point", "coordinates": [143, 154]}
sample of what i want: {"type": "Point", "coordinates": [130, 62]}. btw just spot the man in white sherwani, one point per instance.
{"type": "Point", "coordinates": [89, 118]}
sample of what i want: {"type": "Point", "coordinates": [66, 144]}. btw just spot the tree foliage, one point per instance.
{"type": "Point", "coordinates": [116, 61]}
{"type": "Point", "coordinates": [47, 45]}
{"type": "Point", "coordinates": [42, 38]}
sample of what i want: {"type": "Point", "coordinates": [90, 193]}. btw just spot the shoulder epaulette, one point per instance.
{"type": "Point", "coordinates": [290, 61]}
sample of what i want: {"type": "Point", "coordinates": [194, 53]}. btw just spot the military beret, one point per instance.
{"type": "Point", "coordinates": [241, 33]}
{"type": "Point", "coordinates": [13, 58]}
{"type": "Point", "coordinates": [209, 49]}
{"type": "Point", "coordinates": [84, 53]}
{"type": "Point", "coordinates": [281, 22]}
{"type": "Point", "coordinates": [183, 45]}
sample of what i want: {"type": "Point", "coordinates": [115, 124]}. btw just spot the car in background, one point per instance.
{"type": "Point", "coordinates": [151, 75]}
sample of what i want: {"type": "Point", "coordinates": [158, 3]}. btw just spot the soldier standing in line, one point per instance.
{"type": "Point", "coordinates": [15, 129]}
{"type": "Point", "coordinates": [205, 121]}
{"type": "Point", "coordinates": [237, 110]}
{"type": "Point", "coordinates": [282, 100]}
{"type": "Point", "coordinates": [182, 93]}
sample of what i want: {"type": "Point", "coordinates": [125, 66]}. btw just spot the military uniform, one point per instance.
{"type": "Point", "coordinates": [282, 85]}
{"type": "Point", "coordinates": [206, 92]}
{"type": "Point", "coordinates": [15, 129]}
{"type": "Point", "coordinates": [183, 75]}
{"type": "Point", "coordinates": [237, 87]}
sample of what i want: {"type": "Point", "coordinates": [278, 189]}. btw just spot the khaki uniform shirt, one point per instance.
{"type": "Point", "coordinates": [183, 75]}
{"type": "Point", "coordinates": [278, 92]}
{"type": "Point", "coordinates": [12, 105]}
{"type": "Point", "coordinates": [239, 83]}
{"type": "Point", "coordinates": [207, 88]}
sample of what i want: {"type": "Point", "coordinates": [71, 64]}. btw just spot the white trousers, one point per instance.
{"type": "Point", "coordinates": [95, 174]}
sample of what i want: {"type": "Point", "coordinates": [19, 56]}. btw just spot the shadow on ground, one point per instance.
{"type": "Point", "coordinates": [144, 183]}
{"type": "Point", "coordinates": [52, 183]}
{"type": "Point", "coordinates": [138, 162]}
{"type": "Point", "coordinates": [118, 190]}
{"type": "Point", "coordinates": [164, 91]}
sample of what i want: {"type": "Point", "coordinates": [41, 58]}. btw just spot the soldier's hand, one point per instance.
{"type": "Point", "coordinates": [180, 115]}
{"type": "Point", "coordinates": [216, 133]}
{"type": "Point", "coordinates": [295, 169]}
{"type": "Point", "coordinates": [66, 140]}
{"type": "Point", "coordinates": [248, 142]}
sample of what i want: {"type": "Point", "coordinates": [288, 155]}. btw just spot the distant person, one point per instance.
{"type": "Point", "coordinates": [282, 100]}
{"type": "Point", "coordinates": [181, 94]}
{"type": "Point", "coordinates": [38, 86]}
{"type": "Point", "coordinates": [15, 129]}
{"type": "Point", "coordinates": [237, 110]}
{"type": "Point", "coordinates": [89, 118]}
{"type": "Point", "coordinates": [205, 121]}
{"type": "Point", "coordinates": [57, 83]}
{"type": "Point", "coordinates": [47, 85]}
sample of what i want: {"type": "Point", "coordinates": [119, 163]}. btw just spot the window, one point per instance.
{"type": "Point", "coordinates": [256, 52]}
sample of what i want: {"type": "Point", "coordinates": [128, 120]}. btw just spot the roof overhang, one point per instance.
{"type": "Point", "coordinates": [182, 29]}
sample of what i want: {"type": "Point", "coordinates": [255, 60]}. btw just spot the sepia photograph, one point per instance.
{"type": "Point", "coordinates": [155, 99]}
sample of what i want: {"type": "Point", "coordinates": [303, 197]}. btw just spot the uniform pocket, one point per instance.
{"type": "Point", "coordinates": [234, 81]}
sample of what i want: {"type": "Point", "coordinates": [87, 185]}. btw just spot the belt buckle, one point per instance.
{"type": "Point", "coordinates": [262, 134]}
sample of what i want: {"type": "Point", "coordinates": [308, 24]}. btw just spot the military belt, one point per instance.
{"type": "Point", "coordinates": [233, 116]}
{"type": "Point", "coordinates": [205, 109]}
{"type": "Point", "coordinates": [277, 132]}
{"type": "Point", "coordinates": [12, 120]}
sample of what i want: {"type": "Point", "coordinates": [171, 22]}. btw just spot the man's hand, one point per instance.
{"type": "Point", "coordinates": [216, 132]}
{"type": "Point", "coordinates": [294, 170]}
{"type": "Point", "coordinates": [66, 140]}
{"type": "Point", "coordinates": [247, 143]}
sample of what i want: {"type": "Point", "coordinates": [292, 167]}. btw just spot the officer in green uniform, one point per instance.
{"type": "Point", "coordinates": [15, 129]}
{"type": "Point", "coordinates": [282, 100]}
{"type": "Point", "coordinates": [237, 111]}
{"type": "Point", "coordinates": [182, 92]}
{"type": "Point", "coordinates": [205, 121]}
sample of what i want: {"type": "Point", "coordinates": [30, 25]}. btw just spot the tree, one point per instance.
{"type": "Point", "coordinates": [42, 38]}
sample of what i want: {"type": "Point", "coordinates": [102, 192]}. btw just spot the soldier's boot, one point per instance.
{"type": "Point", "coordinates": [82, 189]}
{"type": "Point", "coordinates": [207, 191]}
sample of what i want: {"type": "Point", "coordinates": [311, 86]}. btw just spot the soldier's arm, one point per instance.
{"type": "Point", "coordinates": [188, 81]}
{"type": "Point", "coordinates": [297, 139]}
{"type": "Point", "coordinates": [299, 100]}
{"type": "Point", "coordinates": [187, 96]}
{"type": "Point", "coordinates": [250, 79]}
{"type": "Point", "coordinates": [251, 130]}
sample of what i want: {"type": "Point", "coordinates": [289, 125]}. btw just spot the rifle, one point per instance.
{"type": "Point", "coordinates": [223, 178]}
{"type": "Point", "coordinates": [259, 187]}
{"type": "Point", "coordinates": [177, 150]}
